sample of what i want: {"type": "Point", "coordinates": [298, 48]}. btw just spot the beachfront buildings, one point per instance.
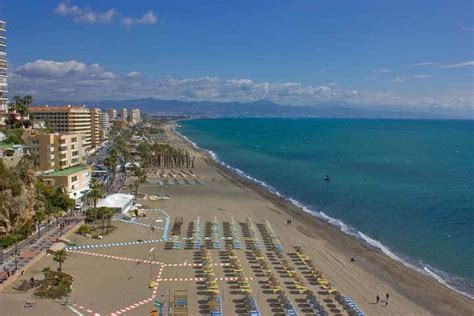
{"type": "Point", "coordinates": [112, 114]}
{"type": "Point", "coordinates": [57, 151]}
{"type": "Point", "coordinates": [134, 116]}
{"type": "Point", "coordinates": [124, 114]}
{"type": "Point", "coordinates": [60, 158]}
{"type": "Point", "coordinates": [95, 127]}
{"type": "Point", "coordinates": [119, 124]}
{"type": "Point", "coordinates": [66, 119]}
{"type": "Point", "coordinates": [104, 126]}
{"type": "Point", "coordinates": [75, 180]}
{"type": "Point", "coordinates": [3, 70]}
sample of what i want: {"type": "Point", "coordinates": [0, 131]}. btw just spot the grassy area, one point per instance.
{"type": "Point", "coordinates": [56, 285]}
{"type": "Point", "coordinates": [95, 230]}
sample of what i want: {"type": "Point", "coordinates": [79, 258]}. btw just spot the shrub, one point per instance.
{"type": "Point", "coordinates": [84, 229]}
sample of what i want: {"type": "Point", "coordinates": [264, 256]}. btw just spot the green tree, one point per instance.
{"type": "Point", "coordinates": [97, 192]}
{"type": "Point", "coordinates": [60, 256]}
{"type": "Point", "coordinates": [108, 213]}
{"type": "Point", "coordinates": [21, 104]}
{"type": "Point", "coordinates": [46, 271]}
{"type": "Point", "coordinates": [103, 213]}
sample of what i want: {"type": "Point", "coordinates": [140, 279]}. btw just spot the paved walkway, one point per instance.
{"type": "Point", "coordinates": [28, 254]}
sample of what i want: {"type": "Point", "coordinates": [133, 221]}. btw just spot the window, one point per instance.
{"type": "Point", "coordinates": [74, 179]}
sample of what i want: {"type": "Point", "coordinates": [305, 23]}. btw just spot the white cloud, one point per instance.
{"type": "Point", "coordinates": [459, 65]}
{"type": "Point", "coordinates": [421, 76]}
{"type": "Point", "coordinates": [76, 81]}
{"type": "Point", "coordinates": [85, 15]}
{"type": "Point", "coordinates": [88, 15]}
{"type": "Point", "coordinates": [426, 63]}
{"type": "Point", "coordinates": [147, 18]}
{"type": "Point", "coordinates": [400, 79]}
{"type": "Point", "coordinates": [382, 71]}
{"type": "Point", "coordinates": [467, 29]}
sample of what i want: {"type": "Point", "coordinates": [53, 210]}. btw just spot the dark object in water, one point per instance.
{"type": "Point", "coordinates": [327, 178]}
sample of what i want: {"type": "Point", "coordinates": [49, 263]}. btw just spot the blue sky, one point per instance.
{"type": "Point", "coordinates": [379, 53]}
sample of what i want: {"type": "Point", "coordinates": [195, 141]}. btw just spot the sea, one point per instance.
{"type": "Point", "coordinates": [403, 186]}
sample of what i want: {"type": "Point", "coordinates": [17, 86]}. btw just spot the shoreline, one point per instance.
{"type": "Point", "coordinates": [413, 277]}
{"type": "Point", "coordinates": [424, 268]}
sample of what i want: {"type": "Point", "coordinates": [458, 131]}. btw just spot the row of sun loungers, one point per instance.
{"type": "Point", "coordinates": [176, 174]}
{"type": "Point", "coordinates": [215, 306]}
{"type": "Point", "coordinates": [270, 239]}
{"type": "Point", "coordinates": [251, 306]}
{"type": "Point", "coordinates": [177, 181]}
{"type": "Point", "coordinates": [253, 234]}
{"type": "Point", "coordinates": [213, 234]}
{"type": "Point", "coordinates": [288, 307]}
{"type": "Point", "coordinates": [314, 304]}
{"type": "Point", "coordinates": [175, 242]}
{"type": "Point", "coordinates": [235, 231]}
{"type": "Point", "coordinates": [197, 234]}
{"type": "Point", "coordinates": [349, 305]}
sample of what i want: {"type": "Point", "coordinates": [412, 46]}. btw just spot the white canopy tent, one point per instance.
{"type": "Point", "coordinates": [119, 202]}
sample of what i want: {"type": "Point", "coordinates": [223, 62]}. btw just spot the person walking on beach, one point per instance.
{"type": "Point", "coordinates": [377, 299]}
{"type": "Point", "coordinates": [387, 296]}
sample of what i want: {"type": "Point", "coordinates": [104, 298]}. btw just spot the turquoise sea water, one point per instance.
{"type": "Point", "coordinates": [405, 186]}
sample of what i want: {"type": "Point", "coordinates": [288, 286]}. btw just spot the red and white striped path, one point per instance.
{"type": "Point", "coordinates": [100, 255]}
{"type": "Point", "coordinates": [200, 279]}
{"type": "Point", "coordinates": [193, 264]}
{"type": "Point", "coordinates": [85, 309]}
{"type": "Point", "coordinates": [143, 302]}
{"type": "Point", "coordinates": [131, 307]}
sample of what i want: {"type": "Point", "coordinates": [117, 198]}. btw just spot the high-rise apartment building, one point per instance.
{"type": "Point", "coordinates": [3, 69]}
{"type": "Point", "coordinates": [95, 127]}
{"type": "Point", "coordinates": [124, 114]}
{"type": "Point", "coordinates": [112, 114]}
{"type": "Point", "coordinates": [104, 128]}
{"type": "Point", "coordinates": [135, 116]}
{"type": "Point", "coordinates": [66, 119]}
{"type": "Point", "coordinates": [57, 151]}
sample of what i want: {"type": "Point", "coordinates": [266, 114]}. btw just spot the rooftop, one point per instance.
{"type": "Point", "coordinates": [118, 200]}
{"type": "Point", "coordinates": [56, 108]}
{"type": "Point", "coordinates": [67, 172]}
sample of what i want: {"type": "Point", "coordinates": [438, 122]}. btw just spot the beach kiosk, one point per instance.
{"type": "Point", "coordinates": [119, 202]}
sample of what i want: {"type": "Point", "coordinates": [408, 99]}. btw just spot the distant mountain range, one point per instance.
{"type": "Point", "coordinates": [154, 106]}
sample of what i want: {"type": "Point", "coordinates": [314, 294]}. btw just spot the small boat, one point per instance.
{"type": "Point", "coordinates": [326, 178]}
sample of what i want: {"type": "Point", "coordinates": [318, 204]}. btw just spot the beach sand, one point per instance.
{"type": "Point", "coordinates": [114, 278]}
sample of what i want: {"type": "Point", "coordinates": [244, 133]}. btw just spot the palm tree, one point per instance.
{"type": "Point", "coordinates": [97, 192]}
{"type": "Point", "coordinates": [46, 271]}
{"type": "Point", "coordinates": [60, 257]}
{"type": "Point", "coordinates": [108, 214]}
{"type": "Point", "coordinates": [20, 106]}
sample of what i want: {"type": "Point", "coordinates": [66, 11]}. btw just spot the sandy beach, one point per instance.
{"type": "Point", "coordinates": [113, 277]}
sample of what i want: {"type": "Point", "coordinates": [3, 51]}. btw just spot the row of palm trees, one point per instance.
{"type": "Point", "coordinates": [97, 192]}
{"type": "Point", "coordinates": [164, 156]}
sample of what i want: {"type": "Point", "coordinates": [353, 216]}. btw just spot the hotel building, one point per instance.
{"type": "Point", "coordinates": [75, 180]}
{"type": "Point", "coordinates": [135, 116]}
{"type": "Point", "coordinates": [95, 127]}
{"type": "Point", "coordinates": [112, 114]}
{"type": "Point", "coordinates": [124, 114]}
{"type": "Point", "coordinates": [104, 127]}
{"type": "Point", "coordinates": [66, 119]}
{"type": "Point", "coordinates": [60, 157]}
{"type": "Point", "coordinates": [3, 69]}
{"type": "Point", "coordinates": [57, 151]}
